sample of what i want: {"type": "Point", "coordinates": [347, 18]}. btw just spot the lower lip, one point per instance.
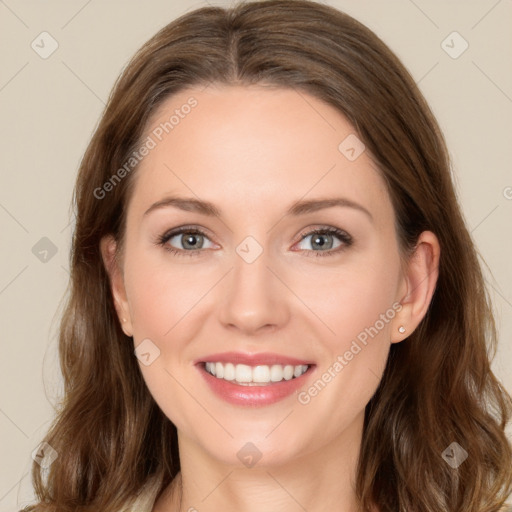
{"type": "Point", "coordinates": [254, 395]}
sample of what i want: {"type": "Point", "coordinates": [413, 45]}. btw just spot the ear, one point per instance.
{"type": "Point", "coordinates": [108, 247]}
{"type": "Point", "coordinates": [418, 285]}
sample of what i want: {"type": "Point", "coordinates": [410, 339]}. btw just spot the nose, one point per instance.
{"type": "Point", "coordinates": [254, 297]}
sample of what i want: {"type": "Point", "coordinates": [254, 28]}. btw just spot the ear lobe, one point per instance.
{"type": "Point", "coordinates": [108, 247]}
{"type": "Point", "coordinates": [421, 279]}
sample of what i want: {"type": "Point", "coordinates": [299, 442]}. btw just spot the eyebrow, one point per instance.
{"type": "Point", "coordinates": [301, 207]}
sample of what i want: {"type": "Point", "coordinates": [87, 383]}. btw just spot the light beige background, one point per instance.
{"type": "Point", "coordinates": [50, 107]}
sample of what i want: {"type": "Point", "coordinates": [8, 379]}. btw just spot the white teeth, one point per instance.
{"type": "Point", "coordinates": [243, 373]}
{"type": "Point", "coordinates": [251, 375]}
{"type": "Point", "coordinates": [229, 371]}
{"type": "Point", "coordinates": [261, 374]}
{"type": "Point", "coordinates": [299, 370]}
{"type": "Point", "coordinates": [276, 373]}
{"type": "Point", "coordinates": [288, 372]}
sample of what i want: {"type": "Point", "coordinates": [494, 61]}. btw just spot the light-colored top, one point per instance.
{"type": "Point", "coordinates": [145, 500]}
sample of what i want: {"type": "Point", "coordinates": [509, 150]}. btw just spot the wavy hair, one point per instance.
{"type": "Point", "coordinates": [437, 387]}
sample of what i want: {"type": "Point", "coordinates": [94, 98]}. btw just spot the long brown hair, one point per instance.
{"type": "Point", "coordinates": [437, 387]}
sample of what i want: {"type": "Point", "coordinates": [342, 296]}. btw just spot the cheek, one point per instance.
{"type": "Point", "coordinates": [359, 309]}
{"type": "Point", "coordinates": [358, 306]}
{"type": "Point", "coordinates": [352, 300]}
{"type": "Point", "coordinates": [157, 297]}
{"type": "Point", "coordinates": [154, 302]}
{"type": "Point", "coordinates": [162, 299]}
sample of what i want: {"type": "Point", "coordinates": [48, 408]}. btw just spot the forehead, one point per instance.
{"type": "Point", "coordinates": [254, 147]}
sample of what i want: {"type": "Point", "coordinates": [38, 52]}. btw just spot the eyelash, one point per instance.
{"type": "Point", "coordinates": [343, 236]}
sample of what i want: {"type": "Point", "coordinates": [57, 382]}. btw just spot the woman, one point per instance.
{"type": "Point", "coordinates": [275, 303]}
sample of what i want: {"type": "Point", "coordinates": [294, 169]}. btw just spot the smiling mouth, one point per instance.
{"type": "Point", "coordinates": [258, 375]}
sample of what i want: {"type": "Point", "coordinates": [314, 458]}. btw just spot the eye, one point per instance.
{"type": "Point", "coordinates": [190, 239]}
{"type": "Point", "coordinates": [323, 238]}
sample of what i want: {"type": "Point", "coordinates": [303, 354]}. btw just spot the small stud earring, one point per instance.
{"type": "Point", "coordinates": [401, 329]}
{"type": "Point", "coordinates": [124, 320]}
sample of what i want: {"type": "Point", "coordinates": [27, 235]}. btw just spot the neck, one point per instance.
{"type": "Point", "coordinates": [316, 481]}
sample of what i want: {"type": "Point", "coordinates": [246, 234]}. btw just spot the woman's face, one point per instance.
{"type": "Point", "coordinates": [270, 163]}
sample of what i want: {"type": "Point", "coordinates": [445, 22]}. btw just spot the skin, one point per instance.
{"type": "Point", "coordinates": [252, 152]}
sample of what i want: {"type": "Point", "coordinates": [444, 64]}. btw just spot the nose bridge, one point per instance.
{"type": "Point", "coordinates": [254, 297]}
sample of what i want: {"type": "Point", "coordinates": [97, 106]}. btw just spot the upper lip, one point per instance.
{"type": "Point", "coordinates": [264, 358]}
